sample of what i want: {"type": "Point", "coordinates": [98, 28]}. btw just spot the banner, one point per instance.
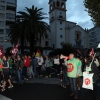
{"type": "Point", "coordinates": [1, 52]}
{"type": "Point", "coordinates": [14, 50]}
{"type": "Point", "coordinates": [91, 52]}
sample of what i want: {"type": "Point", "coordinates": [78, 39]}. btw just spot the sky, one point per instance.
{"type": "Point", "coordinates": [75, 10]}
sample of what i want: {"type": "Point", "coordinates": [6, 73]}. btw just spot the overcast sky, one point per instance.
{"type": "Point", "coordinates": [75, 10]}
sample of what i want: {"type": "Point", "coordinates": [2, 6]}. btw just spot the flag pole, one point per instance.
{"type": "Point", "coordinates": [95, 54]}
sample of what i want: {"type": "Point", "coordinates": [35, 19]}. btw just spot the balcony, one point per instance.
{"type": "Point", "coordinates": [10, 9]}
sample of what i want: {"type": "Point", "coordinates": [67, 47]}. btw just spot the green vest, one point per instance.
{"type": "Point", "coordinates": [72, 67]}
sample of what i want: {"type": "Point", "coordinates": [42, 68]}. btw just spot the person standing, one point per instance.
{"type": "Point", "coordinates": [30, 68]}
{"type": "Point", "coordinates": [40, 63]}
{"type": "Point", "coordinates": [19, 64]}
{"type": "Point", "coordinates": [47, 67]}
{"type": "Point", "coordinates": [73, 70]}
{"type": "Point", "coordinates": [91, 67]}
{"type": "Point", "coordinates": [26, 65]}
{"type": "Point", "coordinates": [5, 67]}
{"type": "Point", "coordinates": [35, 65]}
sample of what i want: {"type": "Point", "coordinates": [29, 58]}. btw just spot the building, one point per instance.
{"type": "Point", "coordinates": [94, 34]}
{"type": "Point", "coordinates": [63, 31]}
{"type": "Point", "coordinates": [7, 17]}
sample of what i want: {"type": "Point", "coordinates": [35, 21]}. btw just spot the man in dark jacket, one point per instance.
{"type": "Point", "coordinates": [19, 63]}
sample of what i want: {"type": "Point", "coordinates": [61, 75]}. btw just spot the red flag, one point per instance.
{"type": "Point", "coordinates": [91, 52]}
{"type": "Point", "coordinates": [1, 52]}
{"type": "Point", "coordinates": [14, 50]}
{"type": "Point", "coordinates": [79, 51]}
{"type": "Point", "coordinates": [39, 51]}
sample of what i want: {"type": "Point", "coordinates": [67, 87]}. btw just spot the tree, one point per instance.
{"type": "Point", "coordinates": [93, 9]}
{"type": "Point", "coordinates": [17, 34]}
{"type": "Point", "coordinates": [67, 48]}
{"type": "Point", "coordinates": [36, 28]}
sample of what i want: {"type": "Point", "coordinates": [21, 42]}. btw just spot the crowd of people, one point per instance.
{"type": "Point", "coordinates": [69, 69]}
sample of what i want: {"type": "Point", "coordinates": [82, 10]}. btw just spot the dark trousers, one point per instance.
{"type": "Point", "coordinates": [39, 69]}
{"type": "Point", "coordinates": [0, 77]}
{"type": "Point", "coordinates": [47, 71]}
{"type": "Point", "coordinates": [57, 67]}
{"type": "Point", "coordinates": [19, 72]}
{"type": "Point", "coordinates": [73, 84]}
{"type": "Point", "coordinates": [25, 72]}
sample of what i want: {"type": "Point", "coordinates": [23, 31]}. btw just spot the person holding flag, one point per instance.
{"type": "Point", "coordinates": [14, 50]}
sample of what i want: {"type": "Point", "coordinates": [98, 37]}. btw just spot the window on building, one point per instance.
{"type": "Point", "coordinates": [47, 36]}
{"type": "Point", "coordinates": [11, 1]}
{"type": "Point", "coordinates": [61, 36]}
{"type": "Point", "coordinates": [8, 23]}
{"type": "Point", "coordinates": [7, 31]}
{"type": "Point", "coordinates": [62, 5]}
{"type": "Point", "coordinates": [60, 16]}
{"type": "Point", "coordinates": [2, 1]}
{"type": "Point", "coordinates": [1, 39]}
{"type": "Point", "coordinates": [77, 36]}
{"type": "Point", "coordinates": [10, 16]}
{"type": "Point", "coordinates": [11, 8]}
{"type": "Point", "coordinates": [61, 43]}
{"type": "Point", "coordinates": [46, 43]}
{"type": "Point", "coordinates": [58, 3]}
{"type": "Point", "coordinates": [60, 22]}
{"type": "Point", "coordinates": [2, 7]}
{"type": "Point", "coordinates": [53, 4]}
{"type": "Point", "coordinates": [1, 23]}
{"type": "Point", "coordinates": [2, 15]}
{"type": "Point", "coordinates": [35, 42]}
{"type": "Point", "coordinates": [61, 29]}
{"type": "Point", "coordinates": [1, 31]}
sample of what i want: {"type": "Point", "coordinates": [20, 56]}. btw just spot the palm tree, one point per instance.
{"type": "Point", "coordinates": [16, 34]}
{"type": "Point", "coordinates": [34, 25]}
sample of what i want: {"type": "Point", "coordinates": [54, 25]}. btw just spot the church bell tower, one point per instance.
{"type": "Point", "coordinates": [57, 20]}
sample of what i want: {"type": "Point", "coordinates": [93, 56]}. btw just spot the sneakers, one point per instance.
{"type": "Point", "coordinates": [3, 89]}
{"type": "Point", "coordinates": [46, 77]}
{"type": "Point", "coordinates": [11, 86]}
{"type": "Point", "coordinates": [26, 79]}
{"type": "Point", "coordinates": [78, 88]}
{"type": "Point", "coordinates": [49, 75]}
{"type": "Point", "coordinates": [75, 98]}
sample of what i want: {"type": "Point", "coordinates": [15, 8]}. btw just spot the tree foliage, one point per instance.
{"type": "Point", "coordinates": [29, 27]}
{"type": "Point", "coordinates": [93, 9]}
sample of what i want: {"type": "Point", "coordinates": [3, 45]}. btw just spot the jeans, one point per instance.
{"type": "Point", "coordinates": [47, 71]}
{"type": "Point", "coordinates": [39, 69]}
{"type": "Point", "coordinates": [34, 67]}
{"type": "Point", "coordinates": [30, 69]}
{"type": "Point", "coordinates": [73, 84]}
{"type": "Point", "coordinates": [19, 72]}
{"type": "Point", "coordinates": [25, 72]}
{"type": "Point", "coordinates": [65, 78]}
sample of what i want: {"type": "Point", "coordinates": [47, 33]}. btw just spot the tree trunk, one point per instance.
{"type": "Point", "coordinates": [22, 45]}
{"type": "Point", "coordinates": [31, 43]}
